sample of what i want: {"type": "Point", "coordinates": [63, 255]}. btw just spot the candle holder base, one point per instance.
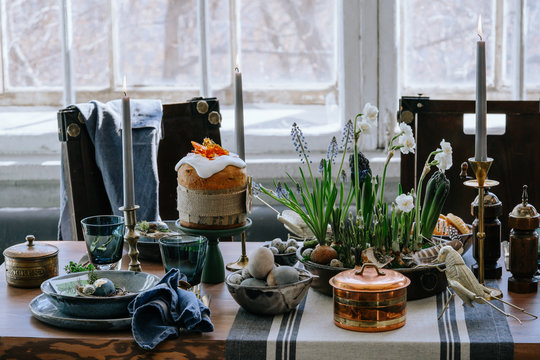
{"type": "Point", "coordinates": [132, 237]}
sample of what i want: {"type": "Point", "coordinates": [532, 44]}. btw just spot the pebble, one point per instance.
{"type": "Point", "coordinates": [336, 263]}
{"type": "Point", "coordinates": [245, 274]}
{"type": "Point", "coordinates": [253, 282]}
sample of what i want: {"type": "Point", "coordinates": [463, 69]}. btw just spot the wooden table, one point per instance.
{"type": "Point", "coordinates": [22, 336]}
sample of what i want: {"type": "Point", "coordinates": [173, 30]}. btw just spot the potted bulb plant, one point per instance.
{"type": "Point", "coordinates": [350, 221]}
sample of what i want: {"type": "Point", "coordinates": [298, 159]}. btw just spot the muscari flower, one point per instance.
{"type": "Point", "coordinates": [405, 202]}
{"type": "Point", "coordinates": [256, 189]}
{"type": "Point", "coordinates": [281, 192]}
{"type": "Point", "coordinates": [347, 136]}
{"type": "Point", "coordinates": [299, 142]}
{"type": "Point", "coordinates": [332, 151]}
{"type": "Point", "coordinates": [321, 166]}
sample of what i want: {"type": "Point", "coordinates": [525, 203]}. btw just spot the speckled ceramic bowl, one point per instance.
{"type": "Point", "coordinates": [270, 300]}
{"type": "Point", "coordinates": [99, 307]}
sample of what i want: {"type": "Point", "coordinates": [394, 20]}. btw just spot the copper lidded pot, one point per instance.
{"type": "Point", "coordinates": [29, 264]}
{"type": "Point", "coordinates": [370, 299]}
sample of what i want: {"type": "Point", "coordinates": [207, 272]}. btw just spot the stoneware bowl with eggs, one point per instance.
{"type": "Point", "coordinates": [62, 292]}
{"type": "Point", "coordinates": [284, 251]}
{"type": "Point", "coordinates": [262, 299]}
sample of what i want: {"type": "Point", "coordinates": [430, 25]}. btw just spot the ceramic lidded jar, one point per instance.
{"type": "Point", "coordinates": [370, 299]}
{"type": "Point", "coordinates": [29, 264]}
{"type": "Point", "coordinates": [523, 220]}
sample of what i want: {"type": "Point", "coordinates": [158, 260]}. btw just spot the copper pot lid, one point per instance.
{"type": "Point", "coordinates": [524, 216]}
{"type": "Point", "coordinates": [30, 250]}
{"type": "Point", "coordinates": [369, 278]}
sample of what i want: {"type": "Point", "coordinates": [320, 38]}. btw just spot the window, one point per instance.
{"type": "Point", "coordinates": [439, 52]}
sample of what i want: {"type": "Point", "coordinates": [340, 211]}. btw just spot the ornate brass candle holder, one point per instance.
{"type": "Point", "coordinates": [132, 237]}
{"type": "Point", "coordinates": [481, 169]}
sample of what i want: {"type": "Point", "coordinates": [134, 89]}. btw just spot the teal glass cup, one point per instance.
{"type": "Point", "coordinates": [104, 237]}
{"type": "Point", "coordinates": [186, 253]}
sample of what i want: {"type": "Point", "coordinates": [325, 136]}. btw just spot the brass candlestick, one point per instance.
{"type": "Point", "coordinates": [243, 260]}
{"type": "Point", "coordinates": [132, 237]}
{"type": "Point", "coordinates": [481, 169]}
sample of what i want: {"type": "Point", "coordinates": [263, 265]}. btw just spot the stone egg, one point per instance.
{"type": "Point", "coordinates": [275, 242]}
{"type": "Point", "coordinates": [236, 279]}
{"type": "Point", "coordinates": [292, 243]}
{"type": "Point", "coordinates": [104, 287]}
{"type": "Point", "coordinates": [290, 249]}
{"type": "Point", "coordinates": [336, 263]}
{"type": "Point", "coordinates": [282, 275]}
{"type": "Point", "coordinates": [253, 282]}
{"type": "Point", "coordinates": [274, 250]}
{"type": "Point", "coordinates": [261, 262]}
{"type": "Point", "coordinates": [307, 252]}
{"type": "Point", "coordinates": [246, 274]}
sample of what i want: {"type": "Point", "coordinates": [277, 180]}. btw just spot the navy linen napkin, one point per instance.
{"type": "Point", "coordinates": [160, 312]}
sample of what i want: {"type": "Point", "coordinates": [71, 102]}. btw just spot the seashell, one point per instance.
{"type": "Point", "coordinates": [369, 255]}
{"type": "Point", "coordinates": [429, 255]}
{"type": "Point", "coordinates": [294, 223]}
{"type": "Point", "coordinates": [88, 289]}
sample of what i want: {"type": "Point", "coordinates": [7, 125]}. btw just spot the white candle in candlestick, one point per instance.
{"type": "Point", "coordinates": [480, 143]}
{"type": "Point", "coordinates": [127, 152]}
{"type": "Point", "coordinates": [239, 114]}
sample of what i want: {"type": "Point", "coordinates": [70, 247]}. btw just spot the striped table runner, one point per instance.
{"type": "Point", "coordinates": [309, 333]}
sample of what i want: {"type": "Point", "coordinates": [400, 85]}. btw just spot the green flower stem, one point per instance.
{"type": "Point", "coordinates": [391, 150]}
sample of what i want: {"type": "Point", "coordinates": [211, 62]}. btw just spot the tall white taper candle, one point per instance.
{"type": "Point", "coordinates": [127, 152]}
{"type": "Point", "coordinates": [480, 141]}
{"type": "Point", "coordinates": [239, 114]}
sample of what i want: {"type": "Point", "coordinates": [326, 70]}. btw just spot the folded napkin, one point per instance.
{"type": "Point", "coordinates": [162, 311]}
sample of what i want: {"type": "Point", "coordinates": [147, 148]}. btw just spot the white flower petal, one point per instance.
{"type": "Point", "coordinates": [408, 144]}
{"type": "Point", "coordinates": [445, 161]}
{"type": "Point", "coordinates": [405, 202]}
{"type": "Point", "coordinates": [406, 129]}
{"type": "Point", "coordinates": [370, 113]}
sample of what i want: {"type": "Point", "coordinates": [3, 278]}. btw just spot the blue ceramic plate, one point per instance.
{"type": "Point", "coordinates": [44, 310]}
{"type": "Point", "coordinates": [96, 307]}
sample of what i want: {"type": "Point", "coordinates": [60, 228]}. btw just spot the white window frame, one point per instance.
{"type": "Point", "coordinates": [367, 69]}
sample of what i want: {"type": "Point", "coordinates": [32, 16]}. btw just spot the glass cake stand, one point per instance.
{"type": "Point", "coordinates": [214, 269]}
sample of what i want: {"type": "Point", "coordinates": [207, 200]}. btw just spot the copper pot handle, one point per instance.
{"type": "Point", "coordinates": [361, 271]}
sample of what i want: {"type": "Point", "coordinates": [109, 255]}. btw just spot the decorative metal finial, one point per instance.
{"type": "Point", "coordinates": [525, 196]}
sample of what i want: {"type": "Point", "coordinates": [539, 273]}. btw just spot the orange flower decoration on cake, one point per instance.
{"type": "Point", "coordinates": [209, 149]}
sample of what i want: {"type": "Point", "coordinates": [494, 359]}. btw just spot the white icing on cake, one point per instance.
{"type": "Point", "coordinates": [206, 167]}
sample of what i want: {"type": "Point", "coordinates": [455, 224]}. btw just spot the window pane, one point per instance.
{"type": "Point", "coordinates": [91, 26]}
{"type": "Point", "coordinates": [440, 42]}
{"type": "Point", "coordinates": [220, 35]}
{"type": "Point", "coordinates": [532, 55]}
{"type": "Point", "coordinates": [288, 42]}
{"type": "Point", "coordinates": [158, 42]}
{"type": "Point", "coordinates": [34, 57]}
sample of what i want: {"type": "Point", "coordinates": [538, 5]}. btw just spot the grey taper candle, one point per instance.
{"type": "Point", "coordinates": [480, 141]}
{"type": "Point", "coordinates": [127, 152]}
{"type": "Point", "coordinates": [239, 114]}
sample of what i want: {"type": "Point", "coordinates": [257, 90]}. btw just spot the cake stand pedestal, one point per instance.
{"type": "Point", "coordinates": [214, 268]}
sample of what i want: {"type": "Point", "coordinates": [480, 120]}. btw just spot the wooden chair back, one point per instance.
{"type": "Point", "coordinates": [516, 153]}
{"type": "Point", "coordinates": [181, 123]}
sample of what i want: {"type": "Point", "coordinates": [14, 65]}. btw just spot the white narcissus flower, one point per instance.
{"type": "Point", "coordinates": [365, 126]}
{"type": "Point", "coordinates": [405, 202]}
{"type": "Point", "coordinates": [370, 113]}
{"type": "Point", "coordinates": [446, 147]}
{"type": "Point", "coordinates": [406, 129]}
{"type": "Point", "coordinates": [408, 144]}
{"type": "Point", "coordinates": [444, 161]}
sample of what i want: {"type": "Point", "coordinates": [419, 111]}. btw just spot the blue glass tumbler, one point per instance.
{"type": "Point", "coordinates": [104, 237]}
{"type": "Point", "coordinates": [186, 253]}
